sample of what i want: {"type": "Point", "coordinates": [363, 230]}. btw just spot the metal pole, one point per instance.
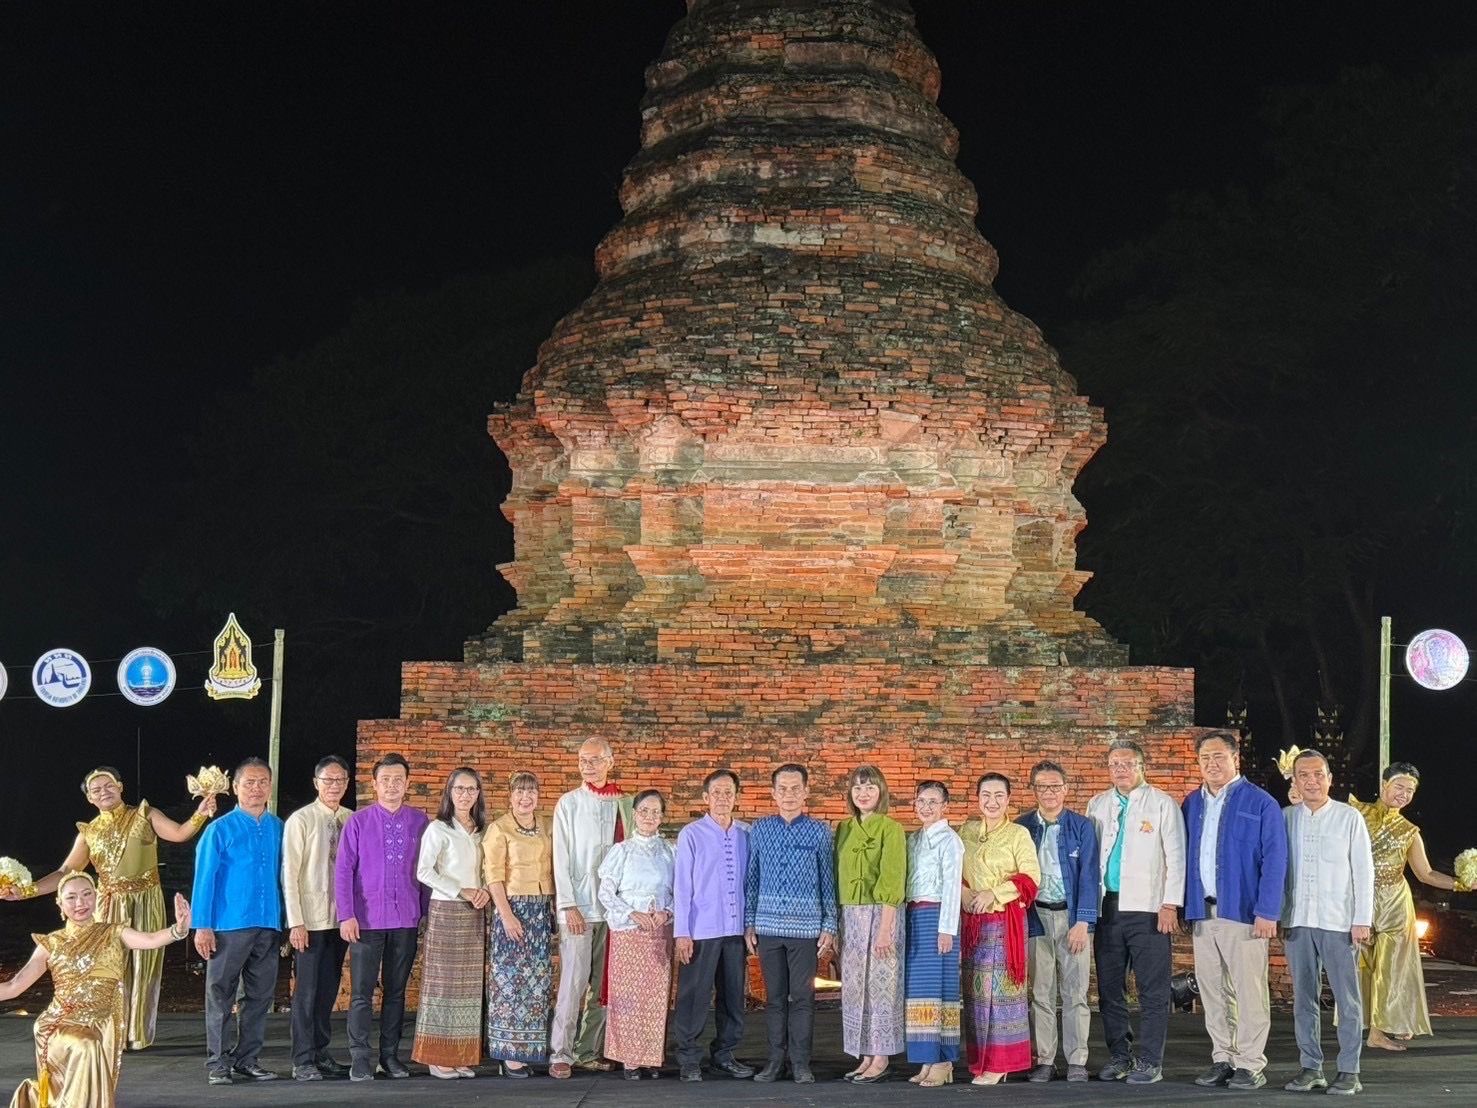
{"type": "Point", "coordinates": [274, 741]}
{"type": "Point", "coordinates": [1385, 637]}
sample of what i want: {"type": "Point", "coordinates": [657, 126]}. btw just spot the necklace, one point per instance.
{"type": "Point", "coordinates": [529, 830]}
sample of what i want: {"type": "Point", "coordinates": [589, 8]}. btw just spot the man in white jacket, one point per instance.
{"type": "Point", "coordinates": [1141, 837]}
{"type": "Point", "coordinates": [1326, 913]}
{"type": "Point", "coordinates": [587, 821]}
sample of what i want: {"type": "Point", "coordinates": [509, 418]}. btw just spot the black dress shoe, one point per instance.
{"type": "Point", "coordinates": [771, 1072]}
{"type": "Point", "coordinates": [218, 1077]}
{"type": "Point", "coordinates": [328, 1067]}
{"type": "Point", "coordinates": [360, 1071]}
{"type": "Point", "coordinates": [518, 1074]}
{"type": "Point", "coordinates": [393, 1067]}
{"type": "Point", "coordinates": [653, 1072]}
{"type": "Point", "coordinates": [255, 1072]}
{"type": "Point", "coordinates": [690, 1073]}
{"type": "Point", "coordinates": [803, 1076]}
{"type": "Point", "coordinates": [733, 1067]}
{"type": "Point", "coordinates": [880, 1075]}
{"type": "Point", "coordinates": [306, 1073]}
{"type": "Point", "coordinates": [632, 1073]}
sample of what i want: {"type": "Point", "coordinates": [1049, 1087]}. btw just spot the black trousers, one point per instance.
{"type": "Point", "coordinates": [387, 953]}
{"type": "Point", "coordinates": [245, 958]}
{"type": "Point", "coordinates": [718, 969]}
{"type": "Point", "coordinates": [788, 966]}
{"type": "Point", "coordinates": [1125, 939]}
{"type": "Point", "coordinates": [316, 973]}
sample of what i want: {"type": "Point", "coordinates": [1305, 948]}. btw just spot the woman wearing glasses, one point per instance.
{"type": "Point", "coordinates": [448, 1025]}
{"type": "Point", "coordinates": [935, 869]}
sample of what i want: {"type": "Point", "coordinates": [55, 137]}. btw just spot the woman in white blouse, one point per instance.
{"type": "Point", "coordinates": [636, 890]}
{"type": "Point", "coordinates": [448, 1025]}
{"type": "Point", "coordinates": [931, 962]}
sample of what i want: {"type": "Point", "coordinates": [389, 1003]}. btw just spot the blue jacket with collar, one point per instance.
{"type": "Point", "coordinates": [1250, 855]}
{"type": "Point", "coordinates": [1077, 849]}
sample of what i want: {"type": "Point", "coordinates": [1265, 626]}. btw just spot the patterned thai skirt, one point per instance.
{"type": "Point", "coordinates": [871, 987]}
{"type": "Point", "coordinates": [931, 984]}
{"type": "Point", "coordinates": [448, 1023]}
{"type": "Point", "coordinates": [639, 970]}
{"type": "Point", "coordinates": [997, 1030]}
{"type": "Point", "coordinates": [520, 983]}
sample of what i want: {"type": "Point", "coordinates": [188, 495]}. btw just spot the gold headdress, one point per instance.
{"type": "Point", "coordinates": [101, 771]}
{"type": "Point", "coordinates": [73, 875]}
{"type": "Point", "coordinates": [1285, 760]}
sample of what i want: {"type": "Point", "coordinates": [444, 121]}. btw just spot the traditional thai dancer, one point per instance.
{"type": "Point", "coordinates": [931, 965]}
{"type": "Point", "coordinates": [122, 844]}
{"type": "Point", "coordinates": [79, 1037]}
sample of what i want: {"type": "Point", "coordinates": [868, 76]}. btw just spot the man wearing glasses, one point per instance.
{"type": "Point", "coordinates": [587, 822]}
{"type": "Point", "coordinates": [1059, 923]}
{"type": "Point", "coordinates": [309, 850]}
{"type": "Point", "coordinates": [1142, 837]}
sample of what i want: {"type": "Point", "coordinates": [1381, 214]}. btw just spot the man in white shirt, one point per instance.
{"type": "Point", "coordinates": [309, 849]}
{"type": "Point", "coordinates": [1326, 914]}
{"type": "Point", "coordinates": [1142, 849]}
{"type": "Point", "coordinates": [587, 822]}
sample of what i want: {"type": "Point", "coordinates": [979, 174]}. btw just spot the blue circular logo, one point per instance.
{"type": "Point", "coordinates": [61, 677]}
{"type": "Point", "coordinates": [146, 676]}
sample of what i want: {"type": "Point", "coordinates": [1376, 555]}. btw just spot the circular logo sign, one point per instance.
{"type": "Point", "coordinates": [146, 676]}
{"type": "Point", "coordinates": [1437, 659]}
{"type": "Point", "coordinates": [4, 682]}
{"type": "Point", "coordinates": [61, 677]}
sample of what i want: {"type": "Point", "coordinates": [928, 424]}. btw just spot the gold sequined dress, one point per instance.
{"type": "Point", "coordinates": [1390, 977]}
{"type": "Point", "coordinates": [79, 1036]}
{"type": "Point", "coordinates": [125, 853]}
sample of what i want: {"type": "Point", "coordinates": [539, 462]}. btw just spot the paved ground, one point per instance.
{"type": "Point", "coordinates": [1440, 1070]}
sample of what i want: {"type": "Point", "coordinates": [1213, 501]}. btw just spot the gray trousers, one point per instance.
{"type": "Point", "coordinates": [1055, 969]}
{"type": "Point", "coordinates": [247, 957]}
{"type": "Point", "coordinates": [1312, 952]}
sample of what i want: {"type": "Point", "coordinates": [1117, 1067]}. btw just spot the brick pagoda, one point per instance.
{"type": "Point", "coordinates": [793, 483]}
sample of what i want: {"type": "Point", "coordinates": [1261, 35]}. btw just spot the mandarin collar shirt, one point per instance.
{"type": "Point", "coordinates": [790, 882]}
{"type": "Point", "coordinates": [1330, 868]}
{"type": "Point", "coordinates": [936, 870]}
{"type": "Point", "coordinates": [238, 864]}
{"type": "Point", "coordinates": [636, 876]}
{"type": "Point", "coordinates": [1210, 830]}
{"type": "Point", "coordinates": [309, 849]}
{"type": "Point", "coordinates": [375, 874]}
{"type": "Point", "coordinates": [708, 883]}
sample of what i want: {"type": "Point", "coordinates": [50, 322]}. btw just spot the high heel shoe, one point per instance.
{"type": "Point", "coordinates": [988, 1079]}
{"type": "Point", "coordinates": [508, 1071]}
{"type": "Point", "coordinates": [944, 1077]}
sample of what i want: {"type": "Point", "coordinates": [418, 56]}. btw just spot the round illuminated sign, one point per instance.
{"type": "Point", "coordinates": [146, 676]}
{"type": "Point", "coordinates": [61, 677]}
{"type": "Point", "coordinates": [1437, 659]}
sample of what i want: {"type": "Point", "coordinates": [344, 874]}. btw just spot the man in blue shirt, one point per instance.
{"type": "Point", "coordinates": [789, 917]}
{"type": "Point", "coordinates": [1235, 864]}
{"type": "Point", "coordinates": [1060, 923]}
{"type": "Point", "coordinates": [237, 905]}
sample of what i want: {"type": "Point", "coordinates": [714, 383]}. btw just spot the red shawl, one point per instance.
{"type": "Point", "coordinates": [1015, 927]}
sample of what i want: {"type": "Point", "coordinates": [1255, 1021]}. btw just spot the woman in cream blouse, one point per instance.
{"type": "Point", "coordinates": [448, 1023]}
{"type": "Point", "coordinates": [518, 866]}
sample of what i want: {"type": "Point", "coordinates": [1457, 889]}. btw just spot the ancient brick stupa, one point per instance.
{"type": "Point", "coordinates": [793, 483]}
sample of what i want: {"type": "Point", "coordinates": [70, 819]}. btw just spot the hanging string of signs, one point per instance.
{"type": "Point", "coordinates": [146, 676]}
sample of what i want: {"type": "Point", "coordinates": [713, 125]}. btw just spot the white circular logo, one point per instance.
{"type": "Point", "coordinates": [4, 682]}
{"type": "Point", "coordinates": [1437, 659]}
{"type": "Point", "coordinates": [61, 677]}
{"type": "Point", "coordinates": [146, 676]}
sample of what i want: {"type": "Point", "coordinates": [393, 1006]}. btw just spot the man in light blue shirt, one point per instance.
{"type": "Point", "coordinates": [237, 905]}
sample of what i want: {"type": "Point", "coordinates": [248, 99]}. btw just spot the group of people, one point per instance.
{"type": "Point", "coordinates": [948, 942]}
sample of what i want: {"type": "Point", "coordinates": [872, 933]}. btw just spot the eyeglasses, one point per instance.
{"type": "Point", "coordinates": [598, 760]}
{"type": "Point", "coordinates": [927, 802]}
{"type": "Point", "coordinates": [1122, 764]}
{"type": "Point", "coordinates": [334, 780]}
{"type": "Point", "coordinates": [649, 813]}
{"type": "Point", "coordinates": [1048, 788]}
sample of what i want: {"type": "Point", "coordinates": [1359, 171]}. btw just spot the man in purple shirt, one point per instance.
{"type": "Point", "coordinates": [380, 904]}
{"type": "Point", "coordinates": [708, 924]}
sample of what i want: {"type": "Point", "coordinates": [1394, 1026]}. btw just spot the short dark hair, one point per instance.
{"type": "Point", "coordinates": [1046, 765]}
{"type": "Point", "coordinates": [390, 759]}
{"type": "Point", "coordinates": [992, 776]}
{"type": "Point", "coordinates": [924, 786]}
{"type": "Point", "coordinates": [1233, 743]}
{"type": "Point", "coordinates": [446, 812]}
{"type": "Point", "coordinates": [250, 763]}
{"type": "Point", "coordinates": [1126, 744]}
{"type": "Point", "coordinates": [1311, 753]}
{"type": "Point", "coordinates": [790, 767]}
{"type": "Point", "coordinates": [647, 794]}
{"type": "Point", "coordinates": [1401, 769]}
{"type": "Point", "coordinates": [330, 760]}
{"type": "Point", "coordinates": [725, 772]}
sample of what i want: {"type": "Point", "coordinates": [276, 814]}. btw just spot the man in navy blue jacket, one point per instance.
{"type": "Point", "coordinates": [1060, 922]}
{"type": "Point", "coordinates": [1235, 864]}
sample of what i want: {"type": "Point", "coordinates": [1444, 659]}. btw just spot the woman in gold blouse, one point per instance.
{"type": "Point", "coordinates": [518, 866]}
{"type": "Point", "coordinates": [122, 845]}
{"type": "Point", "coordinates": [79, 1037]}
{"type": "Point", "coordinates": [1001, 873]}
{"type": "Point", "coordinates": [1390, 977]}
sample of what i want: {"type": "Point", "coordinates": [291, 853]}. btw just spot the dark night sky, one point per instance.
{"type": "Point", "coordinates": [190, 190]}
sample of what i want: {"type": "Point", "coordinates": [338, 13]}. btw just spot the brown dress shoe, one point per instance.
{"type": "Point", "coordinates": [596, 1065]}
{"type": "Point", "coordinates": [560, 1070]}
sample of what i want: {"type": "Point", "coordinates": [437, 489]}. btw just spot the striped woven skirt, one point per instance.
{"type": "Point", "coordinates": [448, 1023]}
{"type": "Point", "coordinates": [520, 983]}
{"type": "Point", "coordinates": [640, 980]}
{"type": "Point", "coordinates": [871, 987]}
{"type": "Point", "coordinates": [931, 982]}
{"type": "Point", "coordinates": [997, 1031]}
